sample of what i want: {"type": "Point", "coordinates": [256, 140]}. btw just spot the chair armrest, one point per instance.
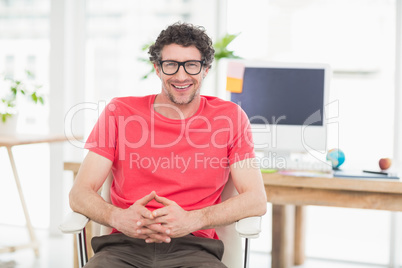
{"type": "Point", "coordinates": [249, 227]}
{"type": "Point", "coordinates": [73, 223]}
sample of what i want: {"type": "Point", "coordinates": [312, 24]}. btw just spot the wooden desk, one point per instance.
{"type": "Point", "coordinates": [9, 142]}
{"type": "Point", "coordinates": [289, 194]}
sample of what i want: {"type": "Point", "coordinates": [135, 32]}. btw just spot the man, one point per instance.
{"type": "Point", "coordinates": [171, 155]}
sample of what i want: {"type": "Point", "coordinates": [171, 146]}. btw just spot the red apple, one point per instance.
{"type": "Point", "coordinates": [385, 163]}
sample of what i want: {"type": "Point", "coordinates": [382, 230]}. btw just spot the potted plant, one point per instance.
{"type": "Point", "coordinates": [11, 91]}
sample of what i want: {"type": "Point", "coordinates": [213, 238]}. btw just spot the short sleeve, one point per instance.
{"type": "Point", "coordinates": [241, 146]}
{"type": "Point", "coordinates": [102, 139]}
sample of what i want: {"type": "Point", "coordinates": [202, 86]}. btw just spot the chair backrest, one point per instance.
{"type": "Point", "coordinates": [233, 254]}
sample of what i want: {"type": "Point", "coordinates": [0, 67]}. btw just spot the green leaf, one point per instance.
{"type": "Point", "coordinates": [145, 60]}
{"type": "Point", "coordinates": [146, 46]}
{"type": "Point", "coordinates": [151, 71]}
{"type": "Point", "coordinates": [5, 116]}
{"type": "Point", "coordinates": [221, 50]}
{"type": "Point", "coordinates": [34, 97]}
{"type": "Point", "coordinates": [29, 74]}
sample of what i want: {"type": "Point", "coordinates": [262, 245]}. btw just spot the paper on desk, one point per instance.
{"type": "Point", "coordinates": [363, 175]}
{"type": "Point", "coordinates": [234, 79]}
{"type": "Point", "coordinates": [234, 85]}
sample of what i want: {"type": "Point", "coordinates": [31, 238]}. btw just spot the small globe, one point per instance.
{"type": "Point", "coordinates": [336, 157]}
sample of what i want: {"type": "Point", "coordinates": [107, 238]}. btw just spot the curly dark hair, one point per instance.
{"type": "Point", "coordinates": [183, 34]}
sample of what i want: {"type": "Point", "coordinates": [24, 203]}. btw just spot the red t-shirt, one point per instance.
{"type": "Point", "coordinates": [186, 161]}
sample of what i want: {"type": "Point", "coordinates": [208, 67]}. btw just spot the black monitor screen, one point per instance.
{"type": "Point", "coordinates": [286, 96]}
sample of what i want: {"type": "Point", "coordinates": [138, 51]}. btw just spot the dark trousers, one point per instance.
{"type": "Point", "coordinates": [119, 250]}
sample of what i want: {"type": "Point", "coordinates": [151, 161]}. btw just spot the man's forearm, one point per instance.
{"type": "Point", "coordinates": [251, 200]}
{"type": "Point", "coordinates": [92, 205]}
{"type": "Point", "coordinates": [84, 197]}
{"type": "Point", "coordinates": [238, 207]}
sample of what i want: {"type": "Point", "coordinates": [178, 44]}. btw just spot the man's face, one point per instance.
{"type": "Point", "coordinates": [181, 88]}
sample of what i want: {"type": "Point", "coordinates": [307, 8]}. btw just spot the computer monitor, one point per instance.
{"type": "Point", "coordinates": [285, 103]}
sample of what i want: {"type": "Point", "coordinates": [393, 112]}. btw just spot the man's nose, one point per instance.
{"type": "Point", "coordinates": [181, 72]}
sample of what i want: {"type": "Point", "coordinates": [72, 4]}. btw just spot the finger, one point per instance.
{"type": "Point", "coordinates": [152, 222]}
{"type": "Point", "coordinates": [159, 213]}
{"type": "Point", "coordinates": [146, 222]}
{"type": "Point", "coordinates": [146, 199]}
{"type": "Point", "coordinates": [145, 213]}
{"type": "Point", "coordinates": [158, 238]}
{"type": "Point", "coordinates": [157, 234]}
{"type": "Point", "coordinates": [159, 228]}
{"type": "Point", "coordinates": [140, 236]}
{"type": "Point", "coordinates": [163, 200]}
{"type": "Point", "coordinates": [153, 229]}
{"type": "Point", "coordinates": [151, 240]}
{"type": "Point", "coordinates": [134, 234]}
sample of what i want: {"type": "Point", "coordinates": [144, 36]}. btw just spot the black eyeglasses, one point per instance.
{"type": "Point", "coordinates": [192, 67]}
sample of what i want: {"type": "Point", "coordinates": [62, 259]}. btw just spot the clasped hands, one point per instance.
{"type": "Point", "coordinates": [158, 226]}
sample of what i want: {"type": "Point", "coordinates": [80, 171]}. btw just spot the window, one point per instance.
{"type": "Point", "coordinates": [24, 45]}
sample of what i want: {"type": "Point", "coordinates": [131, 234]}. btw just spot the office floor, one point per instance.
{"type": "Point", "coordinates": [57, 252]}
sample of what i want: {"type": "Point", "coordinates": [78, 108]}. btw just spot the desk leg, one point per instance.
{"type": "Point", "coordinates": [283, 234]}
{"type": "Point", "coordinates": [300, 238]}
{"type": "Point", "coordinates": [34, 242]}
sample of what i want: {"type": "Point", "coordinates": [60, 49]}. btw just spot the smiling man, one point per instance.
{"type": "Point", "coordinates": [171, 155]}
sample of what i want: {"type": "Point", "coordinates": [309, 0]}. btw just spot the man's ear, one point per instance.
{"type": "Point", "coordinates": [205, 72]}
{"type": "Point", "coordinates": [156, 67]}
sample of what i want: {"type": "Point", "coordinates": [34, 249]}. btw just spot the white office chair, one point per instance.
{"type": "Point", "coordinates": [74, 223]}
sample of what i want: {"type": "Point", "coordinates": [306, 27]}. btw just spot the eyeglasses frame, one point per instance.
{"type": "Point", "coordinates": [181, 63]}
